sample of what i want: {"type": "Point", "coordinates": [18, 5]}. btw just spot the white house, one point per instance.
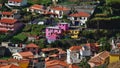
{"type": "Point", "coordinates": [79, 18]}
{"type": "Point", "coordinates": [59, 10]}
{"type": "Point", "coordinates": [10, 15]}
{"type": "Point", "coordinates": [17, 2]}
{"type": "Point", "coordinates": [36, 8]}
{"type": "Point", "coordinates": [22, 55]}
{"type": "Point", "coordinates": [76, 53]}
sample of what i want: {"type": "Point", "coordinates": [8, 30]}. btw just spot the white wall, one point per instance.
{"type": "Point", "coordinates": [82, 20]}
{"type": "Point", "coordinates": [24, 2]}
{"type": "Point", "coordinates": [17, 56]}
{"type": "Point", "coordinates": [73, 57]}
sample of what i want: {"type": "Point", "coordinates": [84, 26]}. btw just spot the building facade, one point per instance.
{"type": "Point", "coordinates": [17, 2]}
{"type": "Point", "coordinates": [79, 18]}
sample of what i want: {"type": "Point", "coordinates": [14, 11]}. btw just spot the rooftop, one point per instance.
{"type": "Point", "coordinates": [7, 13]}
{"type": "Point", "coordinates": [32, 45]}
{"type": "Point", "coordinates": [55, 27]}
{"type": "Point", "coordinates": [80, 14]}
{"type": "Point", "coordinates": [10, 66]}
{"type": "Point", "coordinates": [99, 58]}
{"type": "Point", "coordinates": [3, 29]}
{"type": "Point", "coordinates": [75, 48]}
{"type": "Point", "coordinates": [8, 21]}
{"type": "Point", "coordinates": [26, 54]}
{"type": "Point", "coordinates": [37, 7]}
{"type": "Point", "coordinates": [56, 62]}
{"type": "Point", "coordinates": [115, 51]}
{"type": "Point", "coordinates": [16, 0]}
{"type": "Point", "coordinates": [60, 8]}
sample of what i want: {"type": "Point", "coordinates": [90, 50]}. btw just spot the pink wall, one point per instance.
{"type": "Point", "coordinates": [63, 26]}
{"type": "Point", "coordinates": [52, 32]}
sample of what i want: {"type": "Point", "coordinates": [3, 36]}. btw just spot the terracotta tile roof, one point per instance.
{"type": "Point", "coordinates": [32, 45]}
{"type": "Point", "coordinates": [56, 62]}
{"type": "Point", "coordinates": [16, 0]}
{"type": "Point", "coordinates": [7, 13]}
{"type": "Point", "coordinates": [50, 13]}
{"type": "Point", "coordinates": [80, 14]}
{"type": "Point", "coordinates": [8, 21]}
{"type": "Point", "coordinates": [73, 66]}
{"type": "Point", "coordinates": [60, 8]}
{"type": "Point", "coordinates": [104, 54]}
{"type": "Point", "coordinates": [13, 60]}
{"type": "Point", "coordinates": [54, 55]}
{"type": "Point", "coordinates": [99, 59]}
{"type": "Point", "coordinates": [93, 44]}
{"type": "Point", "coordinates": [1, 65]}
{"type": "Point", "coordinates": [74, 48]}
{"type": "Point", "coordinates": [24, 61]}
{"type": "Point", "coordinates": [3, 61]}
{"type": "Point", "coordinates": [10, 66]}
{"type": "Point", "coordinates": [26, 54]}
{"type": "Point", "coordinates": [3, 30]}
{"type": "Point", "coordinates": [48, 49]}
{"type": "Point", "coordinates": [118, 45]}
{"type": "Point", "coordinates": [36, 6]}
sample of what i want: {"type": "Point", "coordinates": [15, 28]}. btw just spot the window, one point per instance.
{"type": "Point", "coordinates": [75, 31]}
{"type": "Point", "coordinates": [10, 2]}
{"type": "Point", "coordinates": [75, 18]}
{"type": "Point", "coordinates": [58, 30]}
{"type": "Point", "coordinates": [48, 29]}
{"type": "Point", "coordinates": [80, 18]}
{"type": "Point", "coordinates": [49, 33]}
{"type": "Point", "coordinates": [34, 48]}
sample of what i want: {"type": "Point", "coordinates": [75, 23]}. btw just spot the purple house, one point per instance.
{"type": "Point", "coordinates": [63, 26]}
{"type": "Point", "coordinates": [53, 33]}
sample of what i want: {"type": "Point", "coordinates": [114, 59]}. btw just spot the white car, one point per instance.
{"type": "Point", "coordinates": [41, 23]}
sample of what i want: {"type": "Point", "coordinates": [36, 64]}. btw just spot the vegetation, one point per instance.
{"type": "Point", "coordinates": [104, 44]}
{"type": "Point", "coordinates": [20, 38]}
{"type": "Point", "coordinates": [106, 14]}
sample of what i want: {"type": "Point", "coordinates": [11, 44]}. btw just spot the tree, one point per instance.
{"type": "Point", "coordinates": [20, 38]}
{"type": "Point", "coordinates": [84, 64]}
{"type": "Point", "coordinates": [105, 45]}
{"type": "Point", "coordinates": [41, 43]}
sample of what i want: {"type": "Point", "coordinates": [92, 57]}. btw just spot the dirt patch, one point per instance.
{"type": "Point", "coordinates": [114, 65]}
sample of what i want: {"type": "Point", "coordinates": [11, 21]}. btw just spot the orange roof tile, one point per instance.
{"type": "Point", "coordinates": [80, 14]}
{"type": "Point", "coordinates": [3, 61]}
{"type": "Point", "coordinates": [3, 30]}
{"type": "Point", "coordinates": [13, 60]}
{"type": "Point", "coordinates": [50, 13]}
{"type": "Point", "coordinates": [48, 49]}
{"type": "Point", "coordinates": [36, 6]}
{"type": "Point", "coordinates": [24, 61]}
{"type": "Point", "coordinates": [16, 0]}
{"type": "Point", "coordinates": [32, 45]}
{"type": "Point", "coordinates": [26, 54]}
{"type": "Point", "coordinates": [93, 44]}
{"type": "Point", "coordinates": [60, 8]}
{"type": "Point", "coordinates": [56, 62]}
{"type": "Point", "coordinates": [8, 21]}
{"type": "Point", "coordinates": [7, 13]}
{"type": "Point", "coordinates": [73, 66]}
{"type": "Point", "coordinates": [1, 65]}
{"type": "Point", "coordinates": [10, 66]}
{"type": "Point", "coordinates": [99, 58]}
{"type": "Point", "coordinates": [54, 55]}
{"type": "Point", "coordinates": [74, 48]}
